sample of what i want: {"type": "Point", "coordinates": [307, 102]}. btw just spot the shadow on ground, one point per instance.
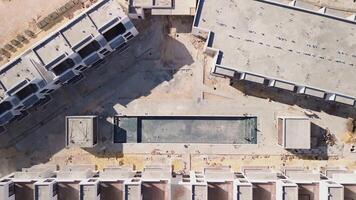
{"type": "Point", "coordinates": [290, 98]}
{"type": "Point", "coordinates": [319, 148]}
{"type": "Point", "coordinates": [154, 57]}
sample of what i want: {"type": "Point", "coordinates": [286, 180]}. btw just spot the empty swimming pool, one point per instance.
{"type": "Point", "coordinates": [186, 129]}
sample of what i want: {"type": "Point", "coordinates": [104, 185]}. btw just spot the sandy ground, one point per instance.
{"type": "Point", "coordinates": [166, 73]}
{"type": "Point", "coordinates": [345, 5]}
{"type": "Point", "coordinates": [163, 64]}
{"type": "Point", "coordinates": [17, 15]}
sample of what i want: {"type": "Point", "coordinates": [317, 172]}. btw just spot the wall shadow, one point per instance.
{"type": "Point", "coordinates": [319, 147]}
{"type": "Point", "coordinates": [290, 98]}
{"type": "Point", "coordinates": [155, 63]}
{"type": "Point", "coordinates": [154, 57]}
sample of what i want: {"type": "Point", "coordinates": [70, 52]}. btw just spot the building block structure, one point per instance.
{"type": "Point", "coordinates": [61, 57]}
{"type": "Point", "coordinates": [294, 132]}
{"type": "Point", "coordinates": [159, 182]}
{"type": "Point", "coordinates": [82, 131]}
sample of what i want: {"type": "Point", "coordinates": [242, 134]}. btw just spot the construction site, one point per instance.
{"type": "Point", "coordinates": [178, 100]}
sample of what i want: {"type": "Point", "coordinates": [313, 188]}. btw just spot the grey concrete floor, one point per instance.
{"type": "Point", "coordinates": [284, 43]}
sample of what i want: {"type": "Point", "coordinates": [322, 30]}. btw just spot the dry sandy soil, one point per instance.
{"type": "Point", "coordinates": [168, 85]}
{"type": "Point", "coordinates": [16, 15]}
{"type": "Point", "coordinates": [346, 5]}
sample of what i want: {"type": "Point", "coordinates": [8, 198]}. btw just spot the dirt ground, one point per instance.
{"type": "Point", "coordinates": [345, 5]}
{"type": "Point", "coordinates": [163, 73]}
{"type": "Point", "coordinates": [17, 16]}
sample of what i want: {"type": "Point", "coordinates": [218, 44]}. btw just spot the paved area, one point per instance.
{"type": "Point", "coordinates": [189, 129]}
{"type": "Point", "coordinates": [166, 73]}
{"type": "Point", "coordinates": [284, 43]}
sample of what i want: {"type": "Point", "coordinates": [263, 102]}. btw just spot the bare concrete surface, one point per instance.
{"type": "Point", "coordinates": [284, 43]}
{"type": "Point", "coordinates": [164, 72]}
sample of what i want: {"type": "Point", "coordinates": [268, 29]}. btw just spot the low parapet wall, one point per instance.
{"type": "Point", "coordinates": [284, 84]}
{"type": "Point", "coordinates": [226, 71]}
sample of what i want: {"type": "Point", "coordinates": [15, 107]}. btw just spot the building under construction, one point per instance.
{"type": "Point", "coordinates": [62, 57]}
{"type": "Point", "coordinates": [159, 182]}
{"type": "Point", "coordinates": [184, 100]}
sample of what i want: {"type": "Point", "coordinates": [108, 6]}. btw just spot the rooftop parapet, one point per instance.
{"type": "Point", "coordinates": [105, 14]}
{"type": "Point", "coordinates": [161, 7]}
{"type": "Point", "coordinates": [52, 50]}
{"type": "Point", "coordinates": [116, 173]}
{"type": "Point", "coordinates": [19, 73]}
{"type": "Point", "coordinates": [76, 172]}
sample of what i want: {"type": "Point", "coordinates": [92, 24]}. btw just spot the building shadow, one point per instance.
{"type": "Point", "coordinates": [154, 57]}
{"type": "Point", "coordinates": [154, 64]}
{"type": "Point", "coordinates": [319, 147]}
{"type": "Point", "coordinates": [320, 137]}
{"type": "Point", "coordinates": [181, 24]}
{"type": "Point", "coordinates": [290, 98]}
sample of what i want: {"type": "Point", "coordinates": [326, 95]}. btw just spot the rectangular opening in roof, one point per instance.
{"type": "Point", "coordinates": [89, 49]}
{"type": "Point", "coordinates": [26, 91]}
{"type": "Point", "coordinates": [115, 31]}
{"type": "Point", "coordinates": [111, 190]}
{"type": "Point", "coordinates": [220, 190]}
{"type": "Point", "coordinates": [5, 106]}
{"type": "Point", "coordinates": [55, 189]}
{"type": "Point", "coordinates": [11, 189]}
{"type": "Point", "coordinates": [62, 67]}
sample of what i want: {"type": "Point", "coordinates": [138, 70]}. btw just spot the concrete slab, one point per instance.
{"type": "Point", "coordinates": [283, 45]}
{"type": "Point", "coordinates": [79, 30]}
{"type": "Point", "coordinates": [19, 71]}
{"type": "Point", "coordinates": [297, 133]}
{"type": "Point", "coordinates": [81, 131]}
{"type": "Point", "coordinates": [104, 15]}
{"type": "Point", "coordinates": [53, 48]}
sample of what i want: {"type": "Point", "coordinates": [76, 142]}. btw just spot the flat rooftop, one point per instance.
{"type": "Point", "coordinates": [283, 43]}
{"type": "Point", "coordinates": [81, 131]}
{"type": "Point", "coordinates": [152, 3]}
{"type": "Point", "coordinates": [18, 71]}
{"type": "Point", "coordinates": [80, 30]}
{"type": "Point", "coordinates": [52, 49]}
{"type": "Point", "coordinates": [166, 7]}
{"type": "Point", "coordinates": [297, 133]}
{"type": "Point", "coordinates": [105, 12]}
{"type": "Point", "coordinates": [142, 3]}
